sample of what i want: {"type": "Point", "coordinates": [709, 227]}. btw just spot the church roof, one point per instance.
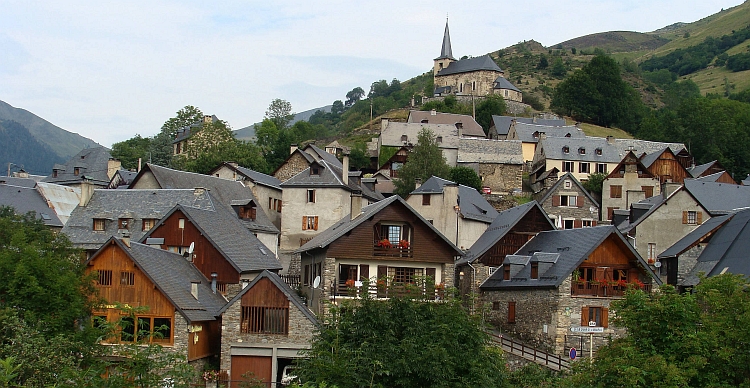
{"type": "Point", "coordinates": [484, 62]}
{"type": "Point", "coordinates": [502, 83]}
{"type": "Point", "coordinates": [445, 51]}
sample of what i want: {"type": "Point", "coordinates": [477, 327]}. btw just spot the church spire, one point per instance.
{"type": "Point", "coordinates": [446, 51]}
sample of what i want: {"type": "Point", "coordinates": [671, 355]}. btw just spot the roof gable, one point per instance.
{"type": "Point", "coordinates": [483, 62]}
{"type": "Point", "coordinates": [560, 185]}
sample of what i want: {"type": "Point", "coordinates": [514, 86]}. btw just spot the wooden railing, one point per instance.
{"type": "Point", "coordinates": [392, 251]}
{"type": "Point", "coordinates": [530, 353]}
{"type": "Point", "coordinates": [429, 292]}
{"type": "Point", "coordinates": [292, 281]}
{"type": "Point", "coordinates": [600, 289]}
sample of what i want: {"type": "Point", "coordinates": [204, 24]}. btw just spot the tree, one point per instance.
{"type": "Point", "coordinates": [359, 157]}
{"type": "Point", "coordinates": [402, 343]}
{"type": "Point", "coordinates": [543, 62]}
{"type": "Point", "coordinates": [594, 183]}
{"type": "Point", "coordinates": [353, 96]}
{"type": "Point", "coordinates": [129, 151]}
{"type": "Point", "coordinates": [337, 108]}
{"type": "Point", "coordinates": [558, 68]}
{"type": "Point", "coordinates": [184, 117]}
{"type": "Point", "coordinates": [425, 160]}
{"type": "Point", "coordinates": [465, 176]}
{"type": "Point", "coordinates": [280, 113]}
{"type": "Point", "coordinates": [378, 89]}
{"type": "Point", "coordinates": [490, 105]}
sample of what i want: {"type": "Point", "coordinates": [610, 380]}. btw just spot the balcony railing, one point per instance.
{"type": "Point", "coordinates": [381, 291]}
{"type": "Point", "coordinates": [604, 289]}
{"type": "Point", "coordinates": [391, 251]}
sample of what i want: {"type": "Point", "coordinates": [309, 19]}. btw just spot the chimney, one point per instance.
{"type": "Point", "coordinates": [292, 148]}
{"type": "Point", "coordinates": [22, 174]}
{"type": "Point", "coordinates": [87, 191]}
{"type": "Point", "coordinates": [112, 166]}
{"type": "Point", "coordinates": [345, 170]}
{"type": "Point", "coordinates": [433, 112]}
{"type": "Point", "coordinates": [370, 183]}
{"type": "Point", "coordinates": [383, 124]}
{"type": "Point", "coordinates": [194, 289]}
{"type": "Point", "coordinates": [213, 281]}
{"type": "Point", "coordinates": [356, 203]}
{"type": "Point", "coordinates": [669, 187]}
{"type": "Point", "coordinates": [139, 165]}
{"type": "Point", "coordinates": [199, 191]}
{"type": "Point", "coordinates": [610, 140]}
{"type": "Point", "coordinates": [542, 135]}
{"type": "Point", "coordinates": [126, 240]}
{"type": "Point", "coordinates": [417, 183]}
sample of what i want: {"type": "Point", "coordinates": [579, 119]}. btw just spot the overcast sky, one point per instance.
{"type": "Point", "coordinates": [111, 70]}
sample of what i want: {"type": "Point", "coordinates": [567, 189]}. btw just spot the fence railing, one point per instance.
{"type": "Point", "coordinates": [600, 289]}
{"type": "Point", "coordinates": [522, 350]}
{"type": "Point", "coordinates": [430, 292]}
{"type": "Point", "coordinates": [292, 281]}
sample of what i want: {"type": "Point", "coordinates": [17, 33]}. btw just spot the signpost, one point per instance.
{"type": "Point", "coordinates": [590, 330]}
{"type": "Point", "coordinates": [572, 353]}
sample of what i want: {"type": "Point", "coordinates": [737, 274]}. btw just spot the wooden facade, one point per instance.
{"type": "Point", "coordinates": [208, 342]}
{"type": "Point", "coordinates": [532, 223]}
{"type": "Point", "coordinates": [669, 167]}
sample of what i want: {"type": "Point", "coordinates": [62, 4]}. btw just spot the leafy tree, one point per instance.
{"type": "Point", "coordinates": [359, 157]}
{"type": "Point", "coordinates": [465, 176]}
{"type": "Point", "coordinates": [533, 101]}
{"type": "Point", "coordinates": [280, 113]}
{"type": "Point", "coordinates": [558, 68]}
{"type": "Point", "coordinates": [490, 105]}
{"type": "Point", "coordinates": [378, 89]}
{"type": "Point", "coordinates": [160, 149]}
{"type": "Point", "coordinates": [353, 96]}
{"type": "Point", "coordinates": [425, 160]}
{"type": "Point", "coordinates": [402, 343]}
{"type": "Point", "coordinates": [129, 151]}
{"type": "Point", "coordinates": [337, 108]}
{"type": "Point", "coordinates": [184, 117]}
{"type": "Point", "coordinates": [676, 92]}
{"type": "Point", "coordinates": [543, 62]}
{"type": "Point", "coordinates": [449, 104]}
{"type": "Point", "coordinates": [594, 183]}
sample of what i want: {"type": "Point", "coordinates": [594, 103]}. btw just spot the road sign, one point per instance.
{"type": "Point", "coordinates": [573, 353]}
{"type": "Point", "coordinates": [587, 329]}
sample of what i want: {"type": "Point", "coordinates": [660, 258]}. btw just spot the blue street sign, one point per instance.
{"type": "Point", "coordinates": [573, 353]}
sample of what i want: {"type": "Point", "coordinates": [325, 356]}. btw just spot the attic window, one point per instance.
{"type": "Point", "coordinates": [536, 134]}
{"type": "Point", "coordinates": [566, 150]}
{"type": "Point", "coordinates": [567, 134]}
{"type": "Point", "coordinates": [247, 213]}
{"type": "Point", "coordinates": [99, 224]}
{"type": "Point", "coordinates": [76, 171]}
{"type": "Point", "coordinates": [582, 151]}
{"type": "Point", "coordinates": [599, 151]}
{"type": "Point", "coordinates": [424, 121]}
{"type": "Point", "coordinates": [123, 223]}
{"type": "Point", "coordinates": [54, 173]}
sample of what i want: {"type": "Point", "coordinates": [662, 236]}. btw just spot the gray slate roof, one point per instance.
{"type": "Point", "coordinates": [697, 171]}
{"type": "Point", "coordinates": [500, 226]}
{"type": "Point", "coordinates": [484, 62]}
{"type": "Point", "coordinates": [502, 123]}
{"type": "Point", "coordinates": [319, 154]}
{"type": "Point", "coordinates": [565, 250]}
{"type": "Point", "coordinates": [173, 276]}
{"type": "Point", "coordinates": [559, 184]}
{"type": "Point", "coordinates": [649, 159]}
{"type": "Point", "coordinates": [134, 204]}
{"type": "Point", "coordinates": [525, 132]}
{"type": "Point", "coordinates": [470, 126]}
{"type": "Point", "coordinates": [346, 224]}
{"type": "Point", "coordinates": [27, 199]}
{"type": "Point", "coordinates": [473, 205]}
{"type": "Point", "coordinates": [711, 178]}
{"type": "Point", "coordinates": [260, 178]}
{"type": "Point", "coordinates": [281, 285]}
{"type": "Point", "coordinates": [696, 235]}
{"type": "Point", "coordinates": [489, 151]}
{"type": "Point", "coordinates": [15, 181]}
{"type": "Point", "coordinates": [641, 210]}
{"type": "Point", "coordinates": [329, 177]}
{"type": "Point", "coordinates": [229, 236]}
{"type": "Point", "coordinates": [391, 134]}
{"type": "Point", "coordinates": [445, 49]}
{"type": "Point", "coordinates": [611, 153]}
{"type": "Point", "coordinates": [719, 198]}
{"type": "Point", "coordinates": [502, 83]}
{"type": "Point", "coordinates": [92, 164]}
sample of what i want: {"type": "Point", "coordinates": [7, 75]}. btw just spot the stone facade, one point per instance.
{"type": "Point", "coordinates": [331, 205]}
{"type": "Point", "coordinates": [474, 83]}
{"type": "Point", "coordinates": [291, 167]}
{"type": "Point", "coordinates": [569, 213]}
{"type": "Point", "coordinates": [503, 178]}
{"type": "Point", "coordinates": [632, 188]}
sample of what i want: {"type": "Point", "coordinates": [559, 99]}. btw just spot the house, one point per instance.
{"type": "Point", "coordinates": [718, 246]}
{"type": "Point", "coordinates": [501, 124]}
{"type": "Point", "coordinates": [397, 135]}
{"type": "Point", "coordinates": [181, 308]}
{"type": "Point", "coordinates": [719, 198]}
{"type": "Point", "coordinates": [181, 142]}
{"type": "Point", "coordinates": [122, 179]}
{"type": "Point", "coordinates": [262, 185]}
{"type": "Point", "coordinates": [94, 165]}
{"type": "Point", "coordinates": [655, 224]}
{"type": "Point", "coordinates": [216, 242]}
{"type": "Point", "coordinates": [569, 205]}
{"type": "Point", "coordinates": [562, 279]}
{"type": "Point", "coordinates": [629, 182]}
{"type": "Point", "coordinates": [713, 169]}
{"type": "Point", "coordinates": [387, 243]}
{"type": "Point", "coordinates": [479, 76]}
{"type": "Point", "coordinates": [497, 162]}
{"type": "Point", "coordinates": [668, 165]}
{"type": "Point", "coordinates": [24, 199]}
{"type": "Point", "coordinates": [469, 126]}
{"type": "Point", "coordinates": [389, 168]}
{"type": "Point", "coordinates": [529, 135]}
{"type": "Point", "coordinates": [265, 327]}
{"type": "Point", "coordinates": [300, 159]}
{"type": "Point", "coordinates": [459, 212]}
{"type": "Point", "coordinates": [507, 233]}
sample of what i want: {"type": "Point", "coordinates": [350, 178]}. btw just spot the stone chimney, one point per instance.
{"type": "Point", "coordinates": [542, 135]}
{"type": "Point", "coordinates": [610, 140]}
{"type": "Point", "coordinates": [126, 240]}
{"type": "Point", "coordinates": [22, 174]}
{"type": "Point", "coordinates": [417, 183]}
{"type": "Point", "coordinates": [87, 191]}
{"type": "Point", "coordinates": [433, 112]}
{"type": "Point", "coordinates": [292, 148]}
{"type": "Point", "coordinates": [194, 289]}
{"type": "Point", "coordinates": [669, 187]}
{"type": "Point", "coordinates": [356, 203]}
{"type": "Point", "coordinates": [345, 170]}
{"type": "Point", "coordinates": [384, 123]}
{"type": "Point", "coordinates": [112, 166]}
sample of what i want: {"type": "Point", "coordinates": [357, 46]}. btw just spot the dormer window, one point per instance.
{"type": "Point", "coordinates": [247, 212]}
{"type": "Point", "coordinates": [536, 134]}
{"type": "Point", "coordinates": [567, 134]}
{"type": "Point", "coordinates": [99, 224]}
{"type": "Point", "coordinates": [123, 223]}
{"type": "Point", "coordinates": [566, 150]}
{"type": "Point", "coordinates": [582, 151]}
{"type": "Point", "coordinates": [314, 170]}
{"type": "Point", "coordinates": [599, 152]}
{"type": "Point", "coordinates": [424, 121]}
{"type": "Point", "coordinates": [54, 173]}
{"type": "Point", "coordinates": [76, 171]}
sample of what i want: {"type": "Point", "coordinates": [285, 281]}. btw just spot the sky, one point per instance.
{"type": "Point", "coordinates": [109, 70]}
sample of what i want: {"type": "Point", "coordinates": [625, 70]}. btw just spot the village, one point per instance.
{"type": "Point", "coordinates": [239, 268]}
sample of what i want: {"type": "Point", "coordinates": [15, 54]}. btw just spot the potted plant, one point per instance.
{"type": "Point", "coordinates": [403, 244]}
{"type": "Point", "coordinates": [384, 243]}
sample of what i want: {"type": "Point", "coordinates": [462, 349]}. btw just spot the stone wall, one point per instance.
{"type": "Point", "coordinates": [589, 211]}
{"type": "Point", "coordinates": [291, 167]}
{"type": "Point", "coordinates": [483, 80]}
{"type": "Point", "coordinates": [501, 178]}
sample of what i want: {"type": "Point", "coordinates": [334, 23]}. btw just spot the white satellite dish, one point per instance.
{"type": "Point", "coordinates": [316, 282]}
{"type": "Point", "coordinates": [657, 264]}
{"type": "Point", "coordinates": [190, 248]}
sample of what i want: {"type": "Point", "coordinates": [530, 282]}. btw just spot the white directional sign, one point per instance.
{"type": "Point", "coordinates": [587, 329]}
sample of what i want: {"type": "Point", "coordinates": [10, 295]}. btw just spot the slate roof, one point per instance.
{"type": "Point", "coordinates": [649, 159]}
{"type": "Point", "coordinates": [15, 181]}
{"type": "Point", "coordinates": [502, 123]}
{"type": "Point", "coordinates": [27, 199]}
{"type": "Point", "coordinates": [470, 126]}
{"type": "Point", "coordinates": [746, 181]}
{"type": "Point", "coordinates": [500, 226]}
{"type": "Point", "coordinates": [565, 250]}
{"type": "Point", "coordinates": [711, 178]}
{"type": "Point", "coordinates": [229, 236]}
{"type": "Point", "coordinates": [611, 153]}
{"type": "Point", "coordinates": [134, 204]}
{"type": "Point", "coordinates": [121, 179]}
{"type": "Point", "coordinates": [260, 178]}
{"type": "Point", "coordinates": [502, 83]}
{"type": "Point", "coordinates": [473, 205]}
{"type": "Point", "coordinates": [319, 154]}
{"type": "Point", "coordinates": [329, 176]}
{"type": "Point", "coordinates": [346, 224]}
{"type": "Point", "coordinates": [281, 285]}
{"type": "Point", "coordinates": [445, 49]}
{"type": "Point", "coordinates": [391, 134]}
{"type": "Point", "coordinates": [719, 198]}
{"type": "Point", "coordinates": [483, 62]}
{"type": "Point", "coordinates": [92, 164]}
{"type": "Point", "coordinates": [559, 185]}
{"type": "Point", "coordinates": [525, 132]}
{"type": "Point", "coordinates": [173, 276]}
{"type": "Point", "coordinates": [641, 210]}
{"type": "Point", "coordinates": [489, 151]}
{"type": "Point", "coordinates": [697, 171]}
{"type": "Point", "coordinates": [692, 238]}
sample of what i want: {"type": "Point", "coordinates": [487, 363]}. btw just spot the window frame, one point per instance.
{"type": "Point", "coordinates": [310, 195]}
{"type": "Point", "coordinates": [100, 224]}
{"type": "Point", "coordinates": [148, 224]}
{"type": "Point", "coordinates": [568, 166]}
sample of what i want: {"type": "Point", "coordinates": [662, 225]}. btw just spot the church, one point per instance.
{"type": "Point", "coordinates": [479, 76]}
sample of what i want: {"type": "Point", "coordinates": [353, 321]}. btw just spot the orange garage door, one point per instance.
{"type": "Point", "coordinates": [259, 365]}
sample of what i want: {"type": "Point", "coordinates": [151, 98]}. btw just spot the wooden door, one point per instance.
{"type": "Point", "coordinates": [260, 366]}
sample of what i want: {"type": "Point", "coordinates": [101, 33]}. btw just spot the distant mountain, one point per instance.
{"type": "Point", "coordinates": [63, 143]}
{"type": "Point", "coordinates": [615, 41]}
{"type": "Point", "coordinates": [248, 133]}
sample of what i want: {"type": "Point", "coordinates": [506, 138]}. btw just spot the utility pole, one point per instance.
{"type": "Point", "coordinates": [370, 114]}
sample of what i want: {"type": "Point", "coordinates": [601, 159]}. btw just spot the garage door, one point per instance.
{"type": "Point", "coordinates": [259, 365]}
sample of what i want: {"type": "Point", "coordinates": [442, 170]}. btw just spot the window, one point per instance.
{"type": "Point", "coordinates": [391, 232]}
{"type": "Point", "coordinates": [311, 196]}
{"type": "Point", "coordinates": [598, 152]}
{"type": "Point", "coordinates": [569, 200]}
{"type": "Point", "coordinates": [611, 212]}
{"type": "Point", "coordinates": [76, 171]}
{"type": "Point", "coordinates": [123, 223]}
{"type": "Point", "coordinates": [148, 329]}
{"type": "Point", "coordinates": [271, 203]}
{"type": "Point", "coordinates": [566, 150]}
{"type": "Point", "coordinates": [511, 312]}
{"type": "Point", "coordinates": [181, 223]}
{"type": "Point", "coordinates": [648, 191]}
{"type": "Point", "coordinates": [247, 213]}
{"type": "Point", "coordinates": [473, 85]}
{"type": "Point", "coordinates": [584, 168]}
{"type": "Point", "coordinates": [426, 199]}
{"type": "Point", "coordinates": [311, 272]}
{"type": "Point", "coordinates": [54, 173]}
{"type": "Point", "coordinates": [439, 139]}
{"type": "Point", "coordinates": [506, 271]}
{"type": "Point", "coordinates": [568, 224]}
{"type": "Point", "coordinates": [268, 320]}
{"type": "Point", "coordinates": [495, 306]}
{"type": "Point", "coordinates": [567, 184]}
{"type": "Point", "coordinates": [601, 168]}
{"type": "Point", "coordinates": [651, 252]}
{"type": "Point", "coordinates": [594, 315]}
{"type": "Point", "coordinates": [405, 275]}
{"type": "Point", "coordinates": [535, 270]}
{"type": "Point", "coordinates": [314, 170]}
{"type": "Point", "coordinates": [99, 224]}
{"type": "Point", "coordinates": [309, 222]}
{"type": "Point", "coordinates": [615, 191]}
{"type": "Point", "coordinates": [582, 151]}
{"type": "Point", "coordinates": [278, 206]}
{"type": "Point", "coordinates": [105, 277]}
{"type": "Point", "coordinates": [587, 223]}
{"type": "Point", "coordinates": [692, 217]}
{"type": "Point", "coordinates": [567, 166]}
{"type": "Point", "coordinates": [404, 138]}
{"type": "Point", "coordinates": [148, 223]}
{"type": "Point", "coordinates": [127, 278]}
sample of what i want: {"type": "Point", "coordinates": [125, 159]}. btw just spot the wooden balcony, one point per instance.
{"type": "Point", "coordinates": [604, 290]}
{"type": "Point", "coordinates": [391, 251]}
{"type": "Point", "coordinates": [426, 292]}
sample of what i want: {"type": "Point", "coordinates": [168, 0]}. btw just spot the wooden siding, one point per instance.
{"type": "Point", "coordinates": [669, 167]}
{"type": "Point", "coordinates": [260, 366]}
{"type": "Point", "coordinates": [206, 257]}
{"type": "Point", "coordinates": [264, 293]}
{"type": "Point", "coordinates": [532, 223]}
{"type": "Point", "coordinates": [209, 340]}
{"type": "Point", "coordinates": [611, 253]}
{"type": "Point", "coordinates": [426, 245]}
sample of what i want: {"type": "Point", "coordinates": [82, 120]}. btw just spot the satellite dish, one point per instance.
{"type": "Point", "coordinates": [657, 264]}
{"type": "Point", "coordinates": [316, 282]}
{"type": "Point", "coordinates": [190, 248]}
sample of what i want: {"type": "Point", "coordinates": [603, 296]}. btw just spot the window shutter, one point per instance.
{"type": "Point", "coordinates": [555, 200]}
{"type": "Point", "coordinates": [364, 272]}
{"type": "Point", "coordinates": [684, 217]}
{"type": "Point", "coordinates": [304, 222]}
{"type": "Point", "coordinates": [382, 272]}
{"type": "Point", "coordinates": [315, 221]}
{"type": "Point", "coordinates": [585, 316]}
{"type": "Point", "coordinates": [605, 318]}
{"type": "Point", "coordinates": [430, 272]}
{"type": "Point", "coordinates": [600, 273]}
{"type": "Point", "coordinates": [593, 223]}
{"type": "Point", "coordinates": [698, 217]}
{"type": "Point", "coordinates": [577, 223]}
{"type": "Point", "coordinates": [579, 201]}
{"type": "Point", "coordinates": [511, 312]}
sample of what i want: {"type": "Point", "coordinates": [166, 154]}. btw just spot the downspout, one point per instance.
{"type": "Point", "coordinates": [473, 281]}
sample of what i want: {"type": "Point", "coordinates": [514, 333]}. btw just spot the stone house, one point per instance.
{"type": "Point", "coordinates": [216, 242]}
{"type": "Point", "coordinates": [497, 162]}
{"type": "Point", "coordinates": [263, 186]}
{"type": "Point", "coordinates": [569, 205]}
{"type": "Point", "coordinates": [389, 168]}
{"type": "Point", "coordinates": [387, 245]}
{"type": "Point", "coordinates": [300, 159]}
{"type": "Point", "coordinates": [509, 231]}
{"type": "Point", "coordinates": [93, 165]}
{"type": "Point", "coordinates": [530, 134]}
{"type": "Point", "coordinates": [183, 137]}
{"type": "Point", "coordinates": [265, 328]}
{"type": "Point", "coordinates": [629, 182]}
{"type": "Point", "coordinates": [181, 304]}
{"type": "Point", "coordinates": [562, 279]}
{"type": "Point", "coordinates": [397, 135]}
{"type": "Point", "coordinates": [469, 126]}
{"type": "Point", "coordinates": [501, 124]}
{"type": "Point", "coordinates": [459, 212]}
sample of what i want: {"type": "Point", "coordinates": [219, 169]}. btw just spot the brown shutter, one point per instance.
{"type": "Point", "coordinates": [315, 220]}
{"type": "Point", "coordinates": [364, 272]}
{"type": "Point", "coordinates": [430, 272]}
{"type": "Point", "coordinates": [306, 280]}
{"type": "Point", "coordinates": [605, 318]}
{"type": "Point", "coordinates": [382, 272]}
{"type": "Point", "coordinates": [304, 222]}
{"type": "Point", "coordinates": [579, 201]}
{"type": "Point", "coordinates": [684, 217]}
{"type": "Point", "coordinates": [585, 316]}
{"type": "Point", "coordinates": [600, 273]}
{"type": "Point", "coordinates": [577, 223]}
{"type": "Point", "coordinates": [698, 217]}
{"type": "Point", "coordinates": [593, 223]}
{"type": "Point", "coordinates": [555, 200]}
{"type": "Point", "coordinates": [511, 312]}
{"type": "Point", "coordinates": [270, 203]}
